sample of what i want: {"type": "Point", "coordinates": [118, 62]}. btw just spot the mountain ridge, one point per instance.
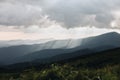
{"type": "Point", "coordinates": [92, 44]}
{"type": "Point", "coordinates": [97, 43]}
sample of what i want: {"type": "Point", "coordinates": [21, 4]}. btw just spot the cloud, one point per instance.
{"type": "Point", "coordinates": [67, 13]}
{"type": "Point", "coordinates": [17, 14]}
{"type": "Point", "coordinates": [53, 32]}
{"type": "Point", "coordinates": [78, 12]}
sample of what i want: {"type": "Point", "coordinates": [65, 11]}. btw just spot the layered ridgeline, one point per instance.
{"type": "Point", "coordinates": [104, 65]}
{"type": "Point", "coordinates": [9, 53]}
{"type": "Point", "coordinates": [8, 43]}
{"type": "Point", "coordinates": [43, 52]}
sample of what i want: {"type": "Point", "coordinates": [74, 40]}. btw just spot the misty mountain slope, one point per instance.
{"type": "Point", "coordinates": [97, 59]}
{"type": "Point", "coordinates": [10, 50]}
{"type": "Point", "coordinates": [109, 39]}
{"type": "Point", "coordinates": [45, 55]}
{"type": "Point", "coordinates": [9, 43]}
{"type": "Point", "coordinates": [64, 56]}
{"type": "Point", "coordinates": [62, 44]}
{"type": "Point", "coordinates": [94, 60]}
{"type": "Point", "coordinates": [105, 64]}
{"type": "Point", "coordinates": [56, 47]}
{"type": "Point", "coordinates": [9, 54]}
{"type": "Point", "coordinates": [89, 45]}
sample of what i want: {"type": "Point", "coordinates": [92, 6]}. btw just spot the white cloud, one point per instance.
{"type": "Point", "coordinates": [70, 13]}
{"type": "Point", "coordinates": [116, 22]}
{"type": "Point", "coordinates": [54, 32]}
{"type": "Point", "coordinates": [58, 19]}
{"type": "Point", "coordinates": [17, 14]}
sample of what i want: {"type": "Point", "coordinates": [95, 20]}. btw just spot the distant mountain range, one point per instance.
{"type": "Point", "coordinates": [11, 53]}
{"type": "Point", "coordinates": [92, 61]}
{"type": "Point", "coordinates": [59, 49]}
{"type": "Point", "coordinates": [8, 43]}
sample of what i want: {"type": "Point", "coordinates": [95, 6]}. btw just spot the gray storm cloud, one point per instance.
{"type": "Point", "coordinates": [71, 13]}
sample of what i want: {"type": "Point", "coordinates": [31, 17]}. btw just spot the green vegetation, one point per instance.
{"type": "Point", "coordinates": [99, 66]}
{"type": "Point", "coordinates": [65, 72]}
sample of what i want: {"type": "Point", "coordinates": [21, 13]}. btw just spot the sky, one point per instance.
{"type": "Point", "coordinates": [57, 19]}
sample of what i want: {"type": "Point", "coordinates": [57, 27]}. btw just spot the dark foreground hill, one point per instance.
{"type": "Point", "coordinates": [104, 65]}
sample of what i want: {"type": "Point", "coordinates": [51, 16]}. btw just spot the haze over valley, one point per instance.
{"type": "Point", "coordinates": [59, 39]}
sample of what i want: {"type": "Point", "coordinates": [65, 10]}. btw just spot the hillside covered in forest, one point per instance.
{"type": "Point", "coordinates": [103, 65]}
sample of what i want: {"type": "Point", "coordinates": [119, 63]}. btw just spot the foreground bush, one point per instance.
{"type": "Point", "coordinates": [66, 72]}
